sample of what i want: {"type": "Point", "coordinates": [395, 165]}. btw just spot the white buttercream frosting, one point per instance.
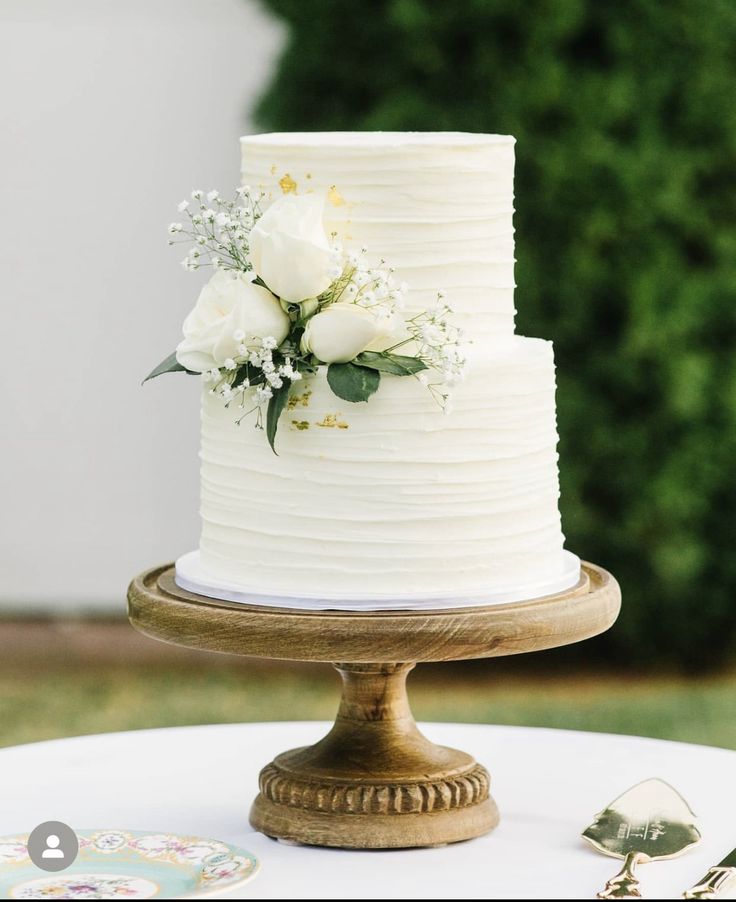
{"type": "Point", "coordinates": [391, 498]}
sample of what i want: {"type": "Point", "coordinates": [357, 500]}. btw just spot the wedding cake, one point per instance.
{"type": "Point", "coordinates": [392, 498]}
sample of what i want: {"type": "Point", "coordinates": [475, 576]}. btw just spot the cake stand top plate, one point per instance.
{"type": "Point", "coordinates": [161, 609]}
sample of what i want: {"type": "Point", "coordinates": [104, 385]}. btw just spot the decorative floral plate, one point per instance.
{"type": "Point", "coordinates": [127, 864]}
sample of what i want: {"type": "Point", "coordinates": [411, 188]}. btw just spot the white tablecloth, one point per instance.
{"type": "Point", "coordinates": [548, 785]}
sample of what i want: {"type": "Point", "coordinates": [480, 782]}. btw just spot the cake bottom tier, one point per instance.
{"type": "Point", "coordinates": [391, 498]}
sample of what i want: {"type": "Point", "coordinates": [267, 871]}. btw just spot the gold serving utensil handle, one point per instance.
{"type": "Point", "coordinates": [625, 885]}
{"type": "Point", "coordinates": [711, 885]}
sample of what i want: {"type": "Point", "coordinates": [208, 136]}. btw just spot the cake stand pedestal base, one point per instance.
{"type": "Point", "coordinates": [374, 764]}
{"type": "Point", "coordinates": [374, 782]}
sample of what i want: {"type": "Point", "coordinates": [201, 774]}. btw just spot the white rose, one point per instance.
{"type": "Point", "coordinates": [289, 249]}
{"type": "Point", "coordinates": [227, 304]}
{"type": "Point", "coordinates": [340, 332]}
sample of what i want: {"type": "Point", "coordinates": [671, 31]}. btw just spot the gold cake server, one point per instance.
{"type": "Point", "coordinates": [720, 879]}
{"type": "Point", "coordinates": [648, 822]}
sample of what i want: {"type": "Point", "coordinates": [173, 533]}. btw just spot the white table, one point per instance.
{"type": "Point", "coordinates": [548, 784]}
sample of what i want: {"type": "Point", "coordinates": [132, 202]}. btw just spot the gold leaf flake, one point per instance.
{"type": "Point", "coordinates": [334, 197]}
{"type": "Point", "coordinates": [332, 421]}
{"type": "Point", "coordinates": [301, 425]}
{"type": "Point", "coordinates": [288, 185]}
{"type": "Point", "coordinates": [301, 400]}
{"type": "Point", "coordinates": [273, 169]}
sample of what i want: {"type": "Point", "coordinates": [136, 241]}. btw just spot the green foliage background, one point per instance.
{"type": "Point", "coordinates": [625, 116]}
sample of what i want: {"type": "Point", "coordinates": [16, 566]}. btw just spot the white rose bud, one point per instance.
{"type": "Point", "coordinates": [340, 332]}
{"type": "Point", "coordinates": [289, 248]}
{"type": "Point", "coordinates": [229, 304]}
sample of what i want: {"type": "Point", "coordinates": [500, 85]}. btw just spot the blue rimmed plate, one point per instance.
{"type": "Point", "coordinates": [128, 864]}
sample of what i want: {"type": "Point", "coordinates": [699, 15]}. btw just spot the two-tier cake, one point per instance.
{"type": "Point", "coordinates": [394, 499]}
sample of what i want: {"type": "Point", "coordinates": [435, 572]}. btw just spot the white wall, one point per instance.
{"type": "Point", "coordinates": [112, 111]}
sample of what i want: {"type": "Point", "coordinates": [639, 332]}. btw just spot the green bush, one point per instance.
{"type": "Point", "coordinates": [626, 239]}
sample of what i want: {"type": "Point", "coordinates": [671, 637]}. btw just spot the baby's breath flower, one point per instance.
{"type": "Point", "coordinates": [439, 347]}
{"type": "Point", "coordinates": [230, 364]}
{"type": "Point", "coordinates": [430, 334]}
{"type": "Point", "coordinates": [219, 228]}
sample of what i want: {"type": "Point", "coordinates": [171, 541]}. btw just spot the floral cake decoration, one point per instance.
{"type": "Point", "coordinates": [286, 299]}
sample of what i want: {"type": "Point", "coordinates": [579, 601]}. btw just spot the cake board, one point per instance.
{"type": "Point", "coordinates": [374, 782]}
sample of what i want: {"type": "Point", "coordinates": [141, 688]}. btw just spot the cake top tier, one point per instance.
{"type": "Point", "coordinates": [436, 206]}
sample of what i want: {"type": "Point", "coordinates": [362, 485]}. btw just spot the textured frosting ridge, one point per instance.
{"type": "Point", "coordinates": [391, 498]}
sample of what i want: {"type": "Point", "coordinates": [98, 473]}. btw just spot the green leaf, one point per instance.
{"type": "Point", "coordinates": [246, 371]}
{"type": "Point", "coordinates": [397, 364]}
{"type": "Point", "coordinates": [275, 408]}
{"type": "Point", "coordinates": [351, 382]}
{"type": "Point", "coordinates": [170, 365]}
{"type": "Point", "coordinates": [295, 337]}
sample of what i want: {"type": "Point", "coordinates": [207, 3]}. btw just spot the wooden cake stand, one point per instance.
{"type": "Point", "coordinates": [374, 782]}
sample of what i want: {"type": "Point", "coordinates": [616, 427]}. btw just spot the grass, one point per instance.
{"type": "Point", "coordinates": [84, 684]}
